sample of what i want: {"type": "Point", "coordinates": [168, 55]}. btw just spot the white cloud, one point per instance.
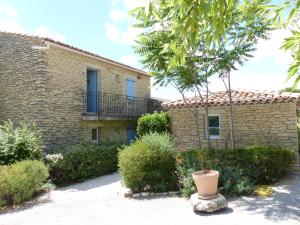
{"type": "Point", "coordinates": [8, 10]}
{"type": "Point", "coordinates": [130, 60]}
{"type": "Point", "coordinates": [118, 15]}
{"type": "Point", "coordinates": [9, 25]}
{"type": "Point", "coordinates": [128, 36]}
{"type": "Point", "coordinates": [112, 32]}
{"type": "Point", "coordinates": [119, 28]}
{"type": "Point", "coordinates": [271, 48]}
{"type": "Point", "coordinates": [131, 4]}
{"type": "Point", "coordinates": [7, 22]}
{"type": "Point", "coordinates": [44, 31]}
{"type": "Point", "coordinates": [252, 81]}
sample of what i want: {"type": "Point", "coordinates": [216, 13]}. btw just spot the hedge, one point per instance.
{"type": "Point", "coordinates": [75, 163]}
{"type": "Point", "coordinates": [239, 168]}
{"type": "Point", "coordinates": [19, 181]}
{"type": "Point", "coordinates": [157, 122]}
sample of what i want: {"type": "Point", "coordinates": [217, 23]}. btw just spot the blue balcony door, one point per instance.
{"type": "Point", "coordinates": [130, 87]}
{"type": "Point", "coordinates": [92, 91]}
{"type": "Point", "coordinates": [131, 134]}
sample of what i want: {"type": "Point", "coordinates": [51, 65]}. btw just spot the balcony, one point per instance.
{"type": "Point", "coordinates": [107, 106]}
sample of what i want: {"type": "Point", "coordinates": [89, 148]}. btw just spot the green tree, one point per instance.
{"type": "Point", "coordinates": [158, 48]}
{"type": "Point", "coordinates": [292, 43]}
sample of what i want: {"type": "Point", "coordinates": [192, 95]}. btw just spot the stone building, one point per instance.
{"type": "Point", "coordinates": [72, 95]}
{"type": "Point", "coordinates": [262, 118]}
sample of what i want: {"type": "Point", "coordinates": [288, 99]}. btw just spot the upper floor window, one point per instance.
{"type": "Point", "coordinates": [213, 129]}
{"type": "Point", "coordinates": [117, 78]}
{"type": "Point", "coordinates": [131, 87]}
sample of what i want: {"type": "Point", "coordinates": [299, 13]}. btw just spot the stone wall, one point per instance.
{"type": "Point", "coordinates": [109, 131]}
{"type": "Point", "coordinates": [45, 85]}
{"type": "Point", "coordinates": [65, 85]}
{"type": "Point", "coordinates": [267, 124]}
{"type": "Point", "coordinates": [22, 80]}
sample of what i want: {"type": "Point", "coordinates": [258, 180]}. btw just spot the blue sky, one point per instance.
{"type": "Point", "coordinates": [104, 27]}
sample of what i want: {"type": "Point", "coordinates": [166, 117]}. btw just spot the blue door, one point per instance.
{"type": "Point", "coordinates": [92, 91]}
{"type": "Point", "coordinates": [131, 134]}
{"type": "Point", "coordinates": [130, 87]}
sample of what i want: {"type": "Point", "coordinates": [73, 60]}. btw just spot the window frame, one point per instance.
{"type": "Point", "coordinates": [213, 137]}
{"type": "Point", "coordinates": [132, 78]}
{"type": "Point", "coordinates": [117, 78]}
{"type": "Point", "coordinates": [97, 135]}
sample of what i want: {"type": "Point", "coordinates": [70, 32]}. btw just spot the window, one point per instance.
{"type": "Point", "coordinates": [130, 88]}
{"type": "Point", "coordinates": [117, 78]}
{"type": "Point", "coordinates": [118, 131]}
{"type": "Point", "coordinates": [214, 126]}
{"type": "Point", "coordinates": [95, 135]}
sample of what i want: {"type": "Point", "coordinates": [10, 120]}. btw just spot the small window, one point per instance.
{"type": "Point", "coordinates": [214, 126]}
{"type": "Point", "coordinates": [95, 135]}
{"type": "Point", "coordinates": [118, 131]}
{"type": "Point", "coordinates": [117, 78]}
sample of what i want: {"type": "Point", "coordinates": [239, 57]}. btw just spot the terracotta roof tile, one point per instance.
{"type": "Point", "coordinates": [239, 97]}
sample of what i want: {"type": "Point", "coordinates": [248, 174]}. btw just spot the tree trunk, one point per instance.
{"type": "Point", "coordinates": [230, 112]}
{"type": "Point", "coordinates": [206, 116]}
{"type": "Point", "coordinates": [198, 128]}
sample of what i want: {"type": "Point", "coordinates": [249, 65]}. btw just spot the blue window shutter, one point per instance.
{"type": "Point", "coordinates": [130, 86]}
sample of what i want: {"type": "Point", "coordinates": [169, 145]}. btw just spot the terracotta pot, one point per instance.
{"type": "Point", "coordinates": [207, 183]}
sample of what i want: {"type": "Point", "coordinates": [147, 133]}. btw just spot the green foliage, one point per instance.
{"type": "Point", "coordinates": [182, 18]}
{"type": "Point", "coordinates": [158, 122]}
{"type": "Point", "coordinates": [149, 164]}
{"type": "Point", "coordinates": [17, 144]}
{"type": "Point", "coordinates": [75, 163]}
{"type": "Point", "coordinates": [172, 45]}
{"type": "Point", "coordinates": [239, 169]}
{"type": "Point", "coordinates": [292, 43]}
{"type": "Point", "coordinates": [19, 181]}
{"type": "Point", "coordinates": [290, 89]}
{"type": "Point", "coordinates": [232, 182]}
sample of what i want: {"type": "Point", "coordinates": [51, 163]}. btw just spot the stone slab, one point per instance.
{"type": "Point", "coordinates": [208, 205]}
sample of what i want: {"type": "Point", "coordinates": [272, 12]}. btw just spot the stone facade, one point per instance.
{"type": "Point", "coordinates": [44, 82]}
{"type": "Point", "coordinates": [266, 124]}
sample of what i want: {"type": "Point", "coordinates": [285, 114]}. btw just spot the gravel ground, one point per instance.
{"type": "Point", "coordinates": [97, 202]}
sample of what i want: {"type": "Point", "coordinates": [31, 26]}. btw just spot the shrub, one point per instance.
{"type": "Point", "coordinates": [239, 169]}
{"type": "Point", "coordinates": [19, 181]}
{"type": "Point", "coordinates": [17, 144]}
{"type": "Point", "coordinates": [75, 163]}
{"type": "Point", "coordinates": [157, 122]}
{"type": "Point", "coordinates": [149, 164]}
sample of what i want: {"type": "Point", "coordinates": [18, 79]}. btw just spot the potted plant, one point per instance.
{"type": "Point", "coordinates": [207, 183]}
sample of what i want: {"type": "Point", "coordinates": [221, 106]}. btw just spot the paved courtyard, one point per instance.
{"type": "Point", "coordinates": [97, 202]}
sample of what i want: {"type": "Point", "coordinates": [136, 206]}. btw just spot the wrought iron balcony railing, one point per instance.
{"type": "Point", "coordinates": [104, 104]}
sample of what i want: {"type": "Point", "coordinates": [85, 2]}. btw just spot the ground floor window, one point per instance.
{"type": "Point", "coordinates": [95, 135]}
{"type": "Point", "coordinates": [213, 129]}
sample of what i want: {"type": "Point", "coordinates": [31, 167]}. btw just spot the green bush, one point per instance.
{"type": "Point", "coordinates": [17, 144]}
{"type": "Point", "coordinates": [19, 181]}
{"type": "Point", "coordinates": [149, 164]}
{"type": "Point", "coordinates": [239, 169]}
{"type": "Point", "coordinates": [157, 122]}
{"type": "Point", "coordinates": [75, 163]}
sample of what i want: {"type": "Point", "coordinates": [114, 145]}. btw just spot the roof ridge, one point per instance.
{"type": "Point", "coordinates": [47, 39]}
{"type": "Point", "coordinates": [239, 97]}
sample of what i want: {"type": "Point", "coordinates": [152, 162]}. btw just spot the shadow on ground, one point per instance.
{"type": "Point", "coordinates": [38, 200]}
{"type": "Point", "coordinates": [284, 204]}
{"type": "Point", "coordinates": [93, 183]}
